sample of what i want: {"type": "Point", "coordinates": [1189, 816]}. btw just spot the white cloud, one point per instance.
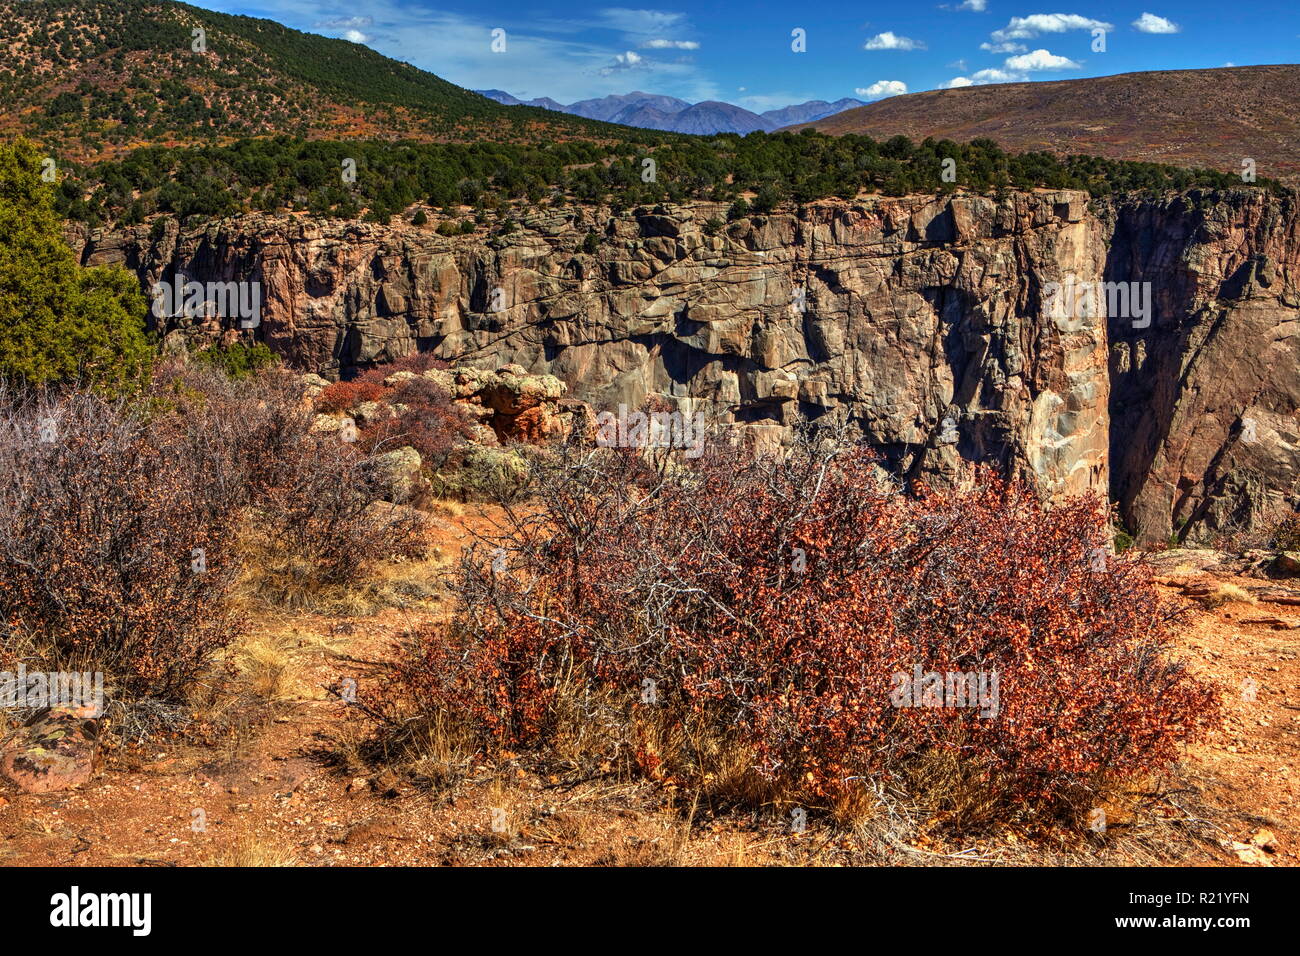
{"type": "Point", "coordinates": [890, 41]}
{"type": "Point", "coordinates": [979, 6]}
{"type": "Point", "coordinates": [1026, 28]}
{"type": "Point", "coordinates": [544, 56]}
{"type": "Point", "coordinates": [984, 78]}
{"type": "Point", "coordinates": [994, 75]}
{"type": "Point", "coordinates": [639, 21]}
{"type": "Point", "coordinates": [881, 89]}
{"type": "Point", "coordinates": [1150, 23]}
{"type": "Point", "coordinates": [350, 27]}
{"type": "Point", "coordinates": [1005, 46]}
{"type": "Point", "coordinates": [661, 44]}
{"type": "Point", "coordinates": [1014, 69]}
{"type": "Point", "coordinates": [624, 61]}
{"type": "Point", "coordinates": [1040, 60]}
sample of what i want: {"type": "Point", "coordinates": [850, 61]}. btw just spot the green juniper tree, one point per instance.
{"type": "Point", "coordinates": [60, 322]}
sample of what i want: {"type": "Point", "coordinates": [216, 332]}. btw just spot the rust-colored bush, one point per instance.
{"type": "Point", "coordinates": [763, 607]}
{"type": "Point", "coordinates": [428, 420]}
{"type": "Point", "coordinates": [341, 396]}
{"type": "Point", "coordinates": [115, 546]}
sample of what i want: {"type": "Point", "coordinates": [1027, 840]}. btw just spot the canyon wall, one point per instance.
{"type": "Point", "coordinates": [917, 322]}
{"type": "Point", "coordinates": [1205, 434]}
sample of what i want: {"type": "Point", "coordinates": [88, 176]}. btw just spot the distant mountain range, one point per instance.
{"type": "Point", "coordinates": [669, 114]}
{"type": "Point", "coordinates": [1215, 118]}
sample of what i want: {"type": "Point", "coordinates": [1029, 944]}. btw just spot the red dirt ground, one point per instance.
{"type": "Point", "coordinates": [278, 794]}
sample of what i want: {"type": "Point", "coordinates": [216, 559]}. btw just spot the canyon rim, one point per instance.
{"type": "Point", "coordinates": [919, 322]}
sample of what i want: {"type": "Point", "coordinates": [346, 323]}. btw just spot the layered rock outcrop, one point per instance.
{"type": "Point", "coordinates": [919, 322]}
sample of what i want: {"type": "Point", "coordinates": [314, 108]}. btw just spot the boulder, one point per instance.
{"type": "Point", "coordinates": [398, 474]}
{"type": "Point", "coordinates": [313, 381]}
{"type": "Point", "coordinates": [1286, 564]}
{"type": "Point", "coordinates": [55, 750]}
{"type": "Point", "coordinates": [512, 391]}
{"type": "Point", "coordinates": [397, 378]}
{"type": "Point", "coordinates": [443, 378]}
{"type": "Point", "coordinates": [368, 413]}
{"type": "Point", "coordinates": [325, 424]}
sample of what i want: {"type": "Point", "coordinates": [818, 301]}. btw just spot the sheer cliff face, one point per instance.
{"type": "Point", "coordinates": [1204, 403]}
{"type": "Point", "coordinates": [921, 323]}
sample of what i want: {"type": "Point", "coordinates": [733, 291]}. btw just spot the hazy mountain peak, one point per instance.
{"type": "Point", "coordinates": [667, 113]}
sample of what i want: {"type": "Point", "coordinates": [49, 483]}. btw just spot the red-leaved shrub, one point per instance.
{"type": "Point", "coordinates": [427, 419]}
{"type": "Point", "coordinates": [341, 396]}
{"type": "Point", "coordinates": [767, 607]}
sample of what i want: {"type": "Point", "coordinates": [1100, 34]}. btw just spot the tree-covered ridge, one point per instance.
{"type": "Point", "coordinates": [756, 172]}
{"type": "Point", "coordinates": [91, 78]}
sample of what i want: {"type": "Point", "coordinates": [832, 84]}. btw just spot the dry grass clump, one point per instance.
{"type": "Point", "coordinates": [251, 850]}
{"type": "Point", "coordinates": [1225, 592]}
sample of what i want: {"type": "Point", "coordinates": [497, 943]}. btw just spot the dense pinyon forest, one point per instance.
{"type": "Point", "coordinates": [284, 174]}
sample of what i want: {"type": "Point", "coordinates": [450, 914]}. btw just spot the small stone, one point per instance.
{"type": "Point", "coordinates": [1265, 840]}
{"type": "Point", "coordinates": [1248, 854]}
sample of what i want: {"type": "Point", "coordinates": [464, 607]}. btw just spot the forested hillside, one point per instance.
{"type": "Point", "coordinates": [90, 78]}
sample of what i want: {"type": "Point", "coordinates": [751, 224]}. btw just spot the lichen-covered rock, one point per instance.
{"type": "Point", "coordinates": [312, 383]}
{"type": "Point", "coordinates": [485, 472]}
{"type": "Point", "coordinates": [367, 414]}
{"type": "Point", "coordinates": [54, 751]}
{"type": "Point", "coordinates": [397, 474]}
{"type": "Point", "coordinates": [325, 424]}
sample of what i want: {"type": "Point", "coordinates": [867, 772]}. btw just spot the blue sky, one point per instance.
{"type": "Point", "coordinates": [741, 52]}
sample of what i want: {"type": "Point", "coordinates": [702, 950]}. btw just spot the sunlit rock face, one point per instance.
{"type": "Point", "coordinates": [929, 326]}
